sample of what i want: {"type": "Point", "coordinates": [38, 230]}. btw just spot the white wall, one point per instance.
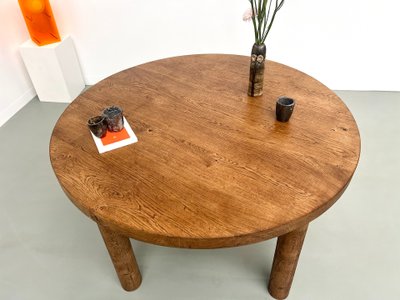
{"type": "Point", "coordinates": [345, 44]}
{"type": "Point", "coordinates": [349, 45]}
{"type": "Point", "coordinates": [15, 86]}
{"type": "Point", "coordinates": [114, 36]}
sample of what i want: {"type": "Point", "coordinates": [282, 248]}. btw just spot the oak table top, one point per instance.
{"type": "Point", "coordinates": [212, 167]}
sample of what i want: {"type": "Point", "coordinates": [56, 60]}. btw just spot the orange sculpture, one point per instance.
{"type": "Point", "coordinates": [40, 21]}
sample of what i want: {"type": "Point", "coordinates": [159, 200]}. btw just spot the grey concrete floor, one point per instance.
{"type": "Point", "coordinates": [50, 250]}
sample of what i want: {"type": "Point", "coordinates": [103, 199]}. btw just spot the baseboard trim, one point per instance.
{"type": "Point", "coordinates": [7, 113]}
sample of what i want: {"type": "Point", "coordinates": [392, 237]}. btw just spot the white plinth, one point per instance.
{"type": "Point", "coordinates": [54, 70]}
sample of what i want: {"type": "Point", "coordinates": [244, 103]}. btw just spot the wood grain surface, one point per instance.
{"type": "Point", "coordinates": [212, 168]}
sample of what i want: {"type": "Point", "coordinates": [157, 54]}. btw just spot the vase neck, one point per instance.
{"type": "Point", "coordinates": [259, 49]}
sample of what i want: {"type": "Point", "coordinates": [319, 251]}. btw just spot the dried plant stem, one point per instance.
{"type": "Point", "coordinates": [262, 22]}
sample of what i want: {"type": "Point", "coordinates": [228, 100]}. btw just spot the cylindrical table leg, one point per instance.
{"type": "Point", "coordinates": [121, 253]}
{"type": "Point", "coordinates": [287, 254]}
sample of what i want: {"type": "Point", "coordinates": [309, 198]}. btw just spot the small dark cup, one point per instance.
{"type": "Point", "coordinates": [98, 126]}
{"type": "Point", "coordinates": [284, 108]}
{"type": "Point", "coordinates": [114, 118]}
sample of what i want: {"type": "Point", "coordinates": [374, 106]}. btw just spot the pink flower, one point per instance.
{"type": "Point", "coordinates": [248, 14]}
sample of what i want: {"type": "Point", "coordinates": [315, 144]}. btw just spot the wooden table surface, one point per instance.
{"type": "Point", "coordinates": [212, 167]}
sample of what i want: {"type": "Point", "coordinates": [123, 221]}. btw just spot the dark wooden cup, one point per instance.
{"type": "Point", "coordinates": [98, 126]}
{"type": "Point", "coordinates": [284, 108]}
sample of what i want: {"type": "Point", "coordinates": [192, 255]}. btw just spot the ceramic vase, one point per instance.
{"type": "Point", "coordinates": [257, 64]}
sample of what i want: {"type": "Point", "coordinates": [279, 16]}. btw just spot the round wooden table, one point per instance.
{"type": "Point", "coordinates": [212, 167]}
